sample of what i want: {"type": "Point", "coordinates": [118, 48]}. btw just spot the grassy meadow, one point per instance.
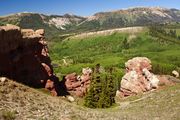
{"type": "Point", "coordinates": [113, 51]}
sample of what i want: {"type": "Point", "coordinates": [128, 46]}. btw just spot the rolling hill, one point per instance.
{"type": "Point", "coordinates": [19, 102]}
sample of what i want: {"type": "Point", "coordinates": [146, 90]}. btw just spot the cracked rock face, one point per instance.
{"type": "Point", "coordinates": [25, 58]}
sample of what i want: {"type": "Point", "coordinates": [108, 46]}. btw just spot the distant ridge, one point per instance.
{"type": "Point", "coordinates": [69, 23]}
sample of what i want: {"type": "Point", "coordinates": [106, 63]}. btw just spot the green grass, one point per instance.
{"type": "Point", "coordinates": [178, 31]}
{"type": "Point", "coordinates": [109, 51]}
{"type": "Point", "coordinates": [88, 52]}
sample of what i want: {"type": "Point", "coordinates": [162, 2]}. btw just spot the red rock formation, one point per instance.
{"type": "Point", "coordinates": [138, 78]}
{"type": "Point", "coordinates": [78, 85]}
{"type": "Point", "coordinates": [24, 57]}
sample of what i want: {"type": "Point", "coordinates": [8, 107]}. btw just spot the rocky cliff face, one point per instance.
{"type": "Point", "coordinates": [24, 57]}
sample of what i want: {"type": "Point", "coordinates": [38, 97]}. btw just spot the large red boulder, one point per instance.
{"type": "Point", "coordinates": [138, 78]}
{"type": "Point", "coordinates": [78, 84]}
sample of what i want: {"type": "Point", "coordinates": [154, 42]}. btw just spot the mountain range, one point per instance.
{"type": "Point", "coordinates": [68, 23]}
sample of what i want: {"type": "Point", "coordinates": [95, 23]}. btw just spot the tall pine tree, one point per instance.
{"type": "Point", "coordinates": [102, 91]}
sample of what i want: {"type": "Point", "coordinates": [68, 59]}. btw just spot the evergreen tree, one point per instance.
{"type": "Point", "coordinates": [102, 91]}
{"type": "Point", "coordinates": [179, 37]}
{"type": "Point", "coordinates": [93, 95]}
{"type": "Point", "coordinates": [125, 43]}
{"type": "Point", "coordinates": [108, 93]}
{"type": "Point", "coordinates": [111, 88]}
{"type": "Point", "coordinates": [172, 33]}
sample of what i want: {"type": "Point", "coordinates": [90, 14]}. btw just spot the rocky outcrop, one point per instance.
{"type": "Point", "coordinates": [25, 58]}
{"type": "Point", "coordinates": [78, 84]}
{"type": "Point", "coordinates": [138, 78]}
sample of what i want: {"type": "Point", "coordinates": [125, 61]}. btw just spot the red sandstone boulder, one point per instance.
{"type": "Point", "coordinates": [78, 84]}
{"type": "Point", "coordinates": [138, 78]}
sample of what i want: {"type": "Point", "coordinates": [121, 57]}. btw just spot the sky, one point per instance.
{"type": "Point", "coordinates": [78, 7]}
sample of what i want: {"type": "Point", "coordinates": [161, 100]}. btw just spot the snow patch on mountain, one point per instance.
{"type": "Point", "coordinates": [160, 13]}
{"type": "Point", "coordinates": [59, 22]}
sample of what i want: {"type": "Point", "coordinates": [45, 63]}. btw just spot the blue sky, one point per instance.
{"type": "Point", "coordinates": [78, 7]}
